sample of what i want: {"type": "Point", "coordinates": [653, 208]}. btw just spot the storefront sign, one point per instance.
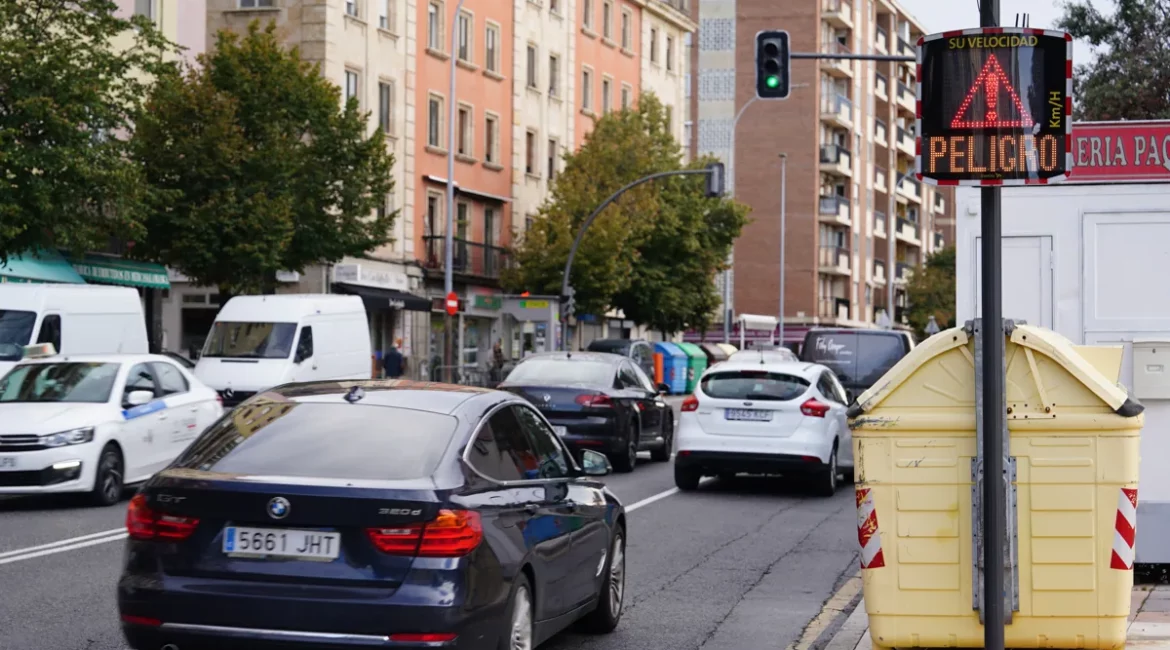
{"type": "Point", "coordinates": [488, 302]}
{"type": "Point", "coordinates": [370, 275]}
{"type": "Point", "coordinates": [1121, 152]}
{"type": "Point", "coordinates": [534, 304]}
{"type": "Point", "coordinates": [994, 106]}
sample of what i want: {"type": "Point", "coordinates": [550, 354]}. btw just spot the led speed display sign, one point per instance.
{"type": "Point", "coordinates": [994, 107]}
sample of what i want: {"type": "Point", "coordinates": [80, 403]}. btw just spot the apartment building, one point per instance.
{"type": "Point", "coordinates": [848, 132]}
{"type": "Point", "coordinates": [667, 28]}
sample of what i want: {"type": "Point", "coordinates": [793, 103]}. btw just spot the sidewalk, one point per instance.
{"type": "Point", "coordinates": [1149, 622]}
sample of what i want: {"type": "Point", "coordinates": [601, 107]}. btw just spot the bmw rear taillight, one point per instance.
{"type": "Point", "coordinates": [454, 533]}
{"type": "Point", "coordinates": [691, 403]}
{"type": "Point", "coordinates": [144, 523]}
{"type": "Point", "coordinates": [814, 408]}
{"type": "Point", "coordinates": [595, 401]}
{"type": "Point", "coordinates": [432, 637]}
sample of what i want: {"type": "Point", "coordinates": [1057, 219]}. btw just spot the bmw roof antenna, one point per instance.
{"type": "Point", "coordinates": [355, 395]}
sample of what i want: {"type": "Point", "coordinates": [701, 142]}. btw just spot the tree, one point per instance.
{"type": "Point", "coordinates": [654, 252]}
{"type": "Point", "coordinates": [931, 291]}
{"type": "Point", "coordinates": [1130, 77]}
{"type": "Point", "coordinates": [72, 76]}
{"type": "Point", "coordinates": [260, 167]}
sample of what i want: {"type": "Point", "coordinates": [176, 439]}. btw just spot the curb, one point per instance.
{"type": "Point", "coordinates": [854, 633]}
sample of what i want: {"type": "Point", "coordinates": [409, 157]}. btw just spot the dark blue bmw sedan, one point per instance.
{"type": "Point", "coordinates": [387, 514]}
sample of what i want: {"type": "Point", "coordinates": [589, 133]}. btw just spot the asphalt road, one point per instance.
{"type": "Point", "coordinates": [735, 565]}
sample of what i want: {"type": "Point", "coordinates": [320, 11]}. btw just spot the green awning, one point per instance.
{"type": "Point", "coordinates": [41, 266]}
{"type": "Point", "coordinates": [106, 269]}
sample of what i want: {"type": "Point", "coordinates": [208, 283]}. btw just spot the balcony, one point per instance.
{"type": "Point", "coordinates": [836, 210]}
{"type": "Point", "coordinates": [907, 99]}
{"type": "Point", "coordinates": [469, 258]}
{"type": "Point", "coordinates": [906, 143]}
{"type": "Point", "coordinates": [879, 272]}
{"type": "Point", "coordinates": [880, 180]}
{"type": "Point", "coordinates": [833, 308]}
{"type": "Point", "coordinates": [907, 232]}
{"type": "Point", "coordinates": [940, 204]}
{"type": "Point", "coordinates": [905, 48]}
{"type": "Point", "coordinates": [837, 160]}
{"type": "Point", "coordinates": [939, 242]}
{"type": "Point", "coordinates": [836, 109]}
{"type": "Point", "coordinates": [879, 224]}
{"type": "Point", "coordinates": [911, 189]}
{"type": "Point", "coordinates": [836, 260]}
{"type": "Point", "coordinates": [838, 13]}
{"type": "Point", "coordinates": [904, 272]}
{"type": "Point", "coordinates": [837, 67]}
{"type": "Point", "coordinates": [880, 133]}
{"type": "Point", "coordinates": [881, 87]}
{"type": "Point", "coordinates": [881, 40]}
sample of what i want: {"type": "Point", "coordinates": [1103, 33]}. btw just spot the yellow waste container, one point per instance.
{"type": "Point", "coordinates": [1074, 435]}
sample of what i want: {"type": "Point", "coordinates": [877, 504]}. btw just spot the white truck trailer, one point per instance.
{"type": "Point", "coordinates": [1090, 259]}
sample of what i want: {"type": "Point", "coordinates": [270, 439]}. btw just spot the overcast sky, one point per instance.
{"type": "Point", "coordinates": [943, 15]}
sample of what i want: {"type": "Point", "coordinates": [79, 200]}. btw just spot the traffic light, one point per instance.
{"type": "Point", "coordinates": [772, 64]}
{"type": "Point", "coordinates": [715, 175]}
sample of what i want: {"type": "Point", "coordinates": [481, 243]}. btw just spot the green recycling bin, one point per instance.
{"type": "Point", "coordinates": [696, 364]}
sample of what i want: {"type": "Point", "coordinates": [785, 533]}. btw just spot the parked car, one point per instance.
{"type": "Point", "coordinates": [373, 514]}
{"type": "Point", "coordinates": [777, 417]}
{"type": "Point", "coordinates": [858, 357]}
{"type": "Point", "coordinates": [640, 351]}
{"type": "Point", "coordinates": [596, 400]}
{"type": "Point", "coordinates": [763, 355]}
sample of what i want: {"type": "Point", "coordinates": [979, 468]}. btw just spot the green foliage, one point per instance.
{"type": "Point", "coordinates": [259, 166]}
{"type": "Point", "coordinates": [1130, 78]}
{"type": "Point", "coordinates": [72, 75]}
{"type": "Point", "coordinates": [931, 292]}
{"type": "Point", "coordinates": [653, 253]}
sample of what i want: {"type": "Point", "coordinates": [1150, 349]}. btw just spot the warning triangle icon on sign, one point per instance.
{"type": "Point", "coordinates": [998, 94]}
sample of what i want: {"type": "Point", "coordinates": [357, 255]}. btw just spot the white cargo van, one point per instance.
{"type": "Point", "coordinates": [75, 318]}
{"type": "Point", "coordinates": [258, 342]}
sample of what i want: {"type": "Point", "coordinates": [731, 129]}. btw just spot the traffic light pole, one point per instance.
{"type": "Point", "coordinates": [715, 186]}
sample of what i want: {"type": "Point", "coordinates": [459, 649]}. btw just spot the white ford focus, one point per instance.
{"type": "Point", "coordinates": [764, 416]}
{"type": "Point", "coordinates": [94, 424]}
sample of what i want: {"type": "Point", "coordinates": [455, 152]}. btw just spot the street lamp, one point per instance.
{"type": "Point", "coordinates": [932, 327]}
{"type": "Point", "coordinates": [731, 175]}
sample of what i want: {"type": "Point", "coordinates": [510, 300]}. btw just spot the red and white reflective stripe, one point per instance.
{"type": "Point", "coordinates": [1124, 530]}
{"type": "Point", "coordinates": [868, 535]}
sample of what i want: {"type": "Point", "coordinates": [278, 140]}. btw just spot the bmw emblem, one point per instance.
{"type": "Point", "coordinates": [278, 508]}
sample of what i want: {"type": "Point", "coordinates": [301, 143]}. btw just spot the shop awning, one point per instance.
{"type": "Point", "coordinates": [42, 266]}
{"type": "Point", "coordinates": [378, 299]}
{"type": "Point", "coordinates": [106, 269]}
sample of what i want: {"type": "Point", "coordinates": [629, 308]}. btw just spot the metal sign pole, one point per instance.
{"type": "Point", "coordinates": [994, 515]}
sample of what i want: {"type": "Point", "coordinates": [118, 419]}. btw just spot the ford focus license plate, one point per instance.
{"type": "Point", "coordinates": [749, 415]}
{"type": "Point", "coordinates": [281, 543]}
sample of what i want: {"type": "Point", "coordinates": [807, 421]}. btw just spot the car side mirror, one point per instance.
{"type": "Point", "coordinates": [595, 463]}
{"type": "Point", "coordinates": [139, 397]}
{"type": "Point", "coordinates": [663, 389]}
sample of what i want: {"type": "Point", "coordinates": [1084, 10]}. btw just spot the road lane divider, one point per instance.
{"type": "Point", "coordinates": [61, 542]}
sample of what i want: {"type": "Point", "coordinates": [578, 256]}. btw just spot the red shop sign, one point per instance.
{"type": "Point", "coordinates": [1120, 152]}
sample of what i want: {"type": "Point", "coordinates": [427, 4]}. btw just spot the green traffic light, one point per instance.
{"type": "Point", "coordinates": [772, 81]}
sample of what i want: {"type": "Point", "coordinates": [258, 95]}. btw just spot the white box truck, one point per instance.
{"type": "Point", "coordinates": [1090, 260]}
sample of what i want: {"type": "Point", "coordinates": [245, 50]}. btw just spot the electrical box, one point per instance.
{"type": "Point", "coordinates": [1151, 369]}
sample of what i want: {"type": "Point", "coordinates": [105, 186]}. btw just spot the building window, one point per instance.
{"type": "Point", "coordinates": [627, 94]}
{"type": "Point", "coordinates": [669, 119]}
{"type": "Point", "coordinates": [669, 53]}
{"type": "Point", "coordinates": [465, 136]}
{"type": "Point", "coordinates": [607, 19]}
{"type": "Point", "coordinates": [491, 140]}
{"type": "Point", "coordinates": [688, 133]}
{"type": "Point", "coordinates": [587, 89]}
{"type": "Point", "coordinates": [553, 152]}
{"type": "Point", "coordinates": [351, 86]}
{"type": "Point", "coordinates": [384, 14]}
{"type": "Point", "coordinates": [254, 4]}
{"type": "Point", "coordinates": [554, 6]}
{"type": "Point", "coordinates": [435, 122]}
{"type": "Point", "coordinates": [606, 95]}
{"type": "Point", "coordinates": [462, 220]}
{"type": "Point", "coordinates": [532, 66]}
{"type": "Point", "coordinates": [351, 8]}
{"type": "Point", "coordinates": [627, 33]}
{"type": "Point", "coordinates": [587, 13]}
{"type": "Point", "coordinates": [464, 31]}
{"type": "Point", "coordinates": [490, 235]}
{"type": "Point", "coordinates": [653, 45]}
{"type": "Point", "coordinates": [434, 224]}
{"type": "Point", "coordinates": [530, 152]}
{"type": "Point", "coordinates": [144, 8]}
{"type": "Point", "coordinates": [554, 75]}
{"type": "Point", "coordinates": [386, 107]}
{"type": "Point", "coordinates": [492, 49]}
{"type": "Point", "coordinates": [435, 26]}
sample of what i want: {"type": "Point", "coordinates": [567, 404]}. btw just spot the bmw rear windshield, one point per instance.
{"type": "Point", "coordinates": [563, 372]}
{"type": "Point", "coordinates": [331, 441]}
{"type": "Point", "coordinates": [757, 385]}
{"type": "Point", "coordinates": [858, 359]}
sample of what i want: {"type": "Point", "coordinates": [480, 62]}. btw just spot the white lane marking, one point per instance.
{"type": "Point", "coordinates": [660, 496]}
{"type": "Point", "coordinates": [61, 542]}
{"type": "Point", "coordinates": [62, 549]}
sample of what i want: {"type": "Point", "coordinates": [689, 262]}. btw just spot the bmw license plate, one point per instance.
{"type": "Point", "coordinates": [749, 415]}
{"type": "Point", "coordinates": [281, 543]}
{"type": "Point", "coordinates": [560, 431]}
{"type": "Point", "coordinates": [7, 463]}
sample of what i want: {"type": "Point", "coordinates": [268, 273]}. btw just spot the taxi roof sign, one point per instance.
{"type": "Point", "coordinates": [39, 351]}
{"type": "Point", "coordinates": [994, 107]}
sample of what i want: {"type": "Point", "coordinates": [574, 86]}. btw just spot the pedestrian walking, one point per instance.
{"type": "Point", "coordinates": [497, 372]}
{"type": "Point", "coordinates": [393, 363]}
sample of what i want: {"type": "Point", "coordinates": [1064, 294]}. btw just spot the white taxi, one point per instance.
{"type": "Point", "coordinates": [96, 423]}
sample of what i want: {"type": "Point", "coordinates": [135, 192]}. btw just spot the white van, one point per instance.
{"type": "Point", "coordinates": [75, 318]}
{"type": "Point", "coordinates": [259, 342]}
